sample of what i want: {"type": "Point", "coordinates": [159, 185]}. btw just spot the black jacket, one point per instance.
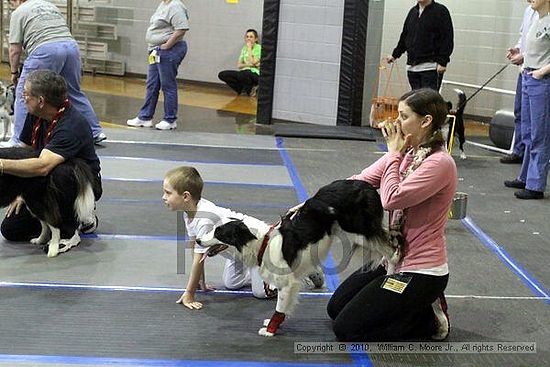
{"type": "Point", "coordinates": [427, 38]}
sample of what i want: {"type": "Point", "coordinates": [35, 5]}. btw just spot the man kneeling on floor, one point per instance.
{"type": "Point", "coordinates": [58, 132]}
{"type": "Point", "coordinates": [182, 189]}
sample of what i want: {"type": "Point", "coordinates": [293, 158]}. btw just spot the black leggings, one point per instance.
{"type": "Point", "coordinates": [239, 81]}
{"type": "Point", "coordinates": [363, 311]}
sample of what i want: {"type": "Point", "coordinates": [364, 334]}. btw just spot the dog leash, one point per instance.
{"type": "Point", "coordinates": [481, 88]}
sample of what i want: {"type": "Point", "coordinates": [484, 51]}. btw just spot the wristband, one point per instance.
{"type": "Point", "coordinates": [14, 72]}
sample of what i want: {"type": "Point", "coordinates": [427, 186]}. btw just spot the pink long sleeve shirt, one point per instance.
{"type": "Point", "coordinates": [425, 195]}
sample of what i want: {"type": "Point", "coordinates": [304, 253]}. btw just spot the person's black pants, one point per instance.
{"type": "Point", "coordinates": [239, 81]}
{"type": "Point", "coordinates": [425, 79]}
{"type": "Point", "coordinates": [364, 311]}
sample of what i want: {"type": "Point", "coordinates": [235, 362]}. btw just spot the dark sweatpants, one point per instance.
{"type": "Point", "coordinates": [425, 79]}
{"type": "Point", "coordinates": [239, 81]}
{"type": "Point", "coordinates": [363, 311]}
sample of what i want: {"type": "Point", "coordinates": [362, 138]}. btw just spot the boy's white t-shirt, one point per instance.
{"type": "Point", "coordinates": [207, 217]}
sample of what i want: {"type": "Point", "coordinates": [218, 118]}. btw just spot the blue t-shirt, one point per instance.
{"type": "Point", "coordinates": [71, 138]}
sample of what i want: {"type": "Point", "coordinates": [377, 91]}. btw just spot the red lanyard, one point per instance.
{"type": "Point", "coordinates": [38, 123]}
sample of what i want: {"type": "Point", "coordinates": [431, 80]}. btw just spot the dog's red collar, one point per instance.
{"type": "Point", "coordinates": [265, 242]}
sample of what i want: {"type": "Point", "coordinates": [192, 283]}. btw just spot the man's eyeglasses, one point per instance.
{"type": "Point", "coordinates": [25, 96]}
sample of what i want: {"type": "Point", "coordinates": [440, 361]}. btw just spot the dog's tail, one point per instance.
{"type": "Point", "coordinates": [462, 101]}
{"type": "Point", "coordinates": [85, 200]}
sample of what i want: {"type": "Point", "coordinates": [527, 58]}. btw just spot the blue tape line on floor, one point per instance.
{"type": "Point", "coordinates": [527, 278]}
{"type": "Point", "coordinates": [332, 281]}
{"type": "Point", "coordinates": [101, 361]}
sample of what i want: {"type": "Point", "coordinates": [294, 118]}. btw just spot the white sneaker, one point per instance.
{"type": "Point", "coordinates": [99, 138]}
{"type": "Point", "coordinates": [136, 122]}
{"type": "Point", "coordinates": [165, 125]}
{"type": "Point", "coordinates": [9, 144]}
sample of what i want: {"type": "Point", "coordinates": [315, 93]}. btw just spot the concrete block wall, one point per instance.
{"type": "Point", "coordinates": [308, 61]}
{"type": "Point", "coordinates": [215, 38]}
{"type": "Point", "coordinates": [483, 32]}
{"type": "Point", "coordinates": [309, 47]}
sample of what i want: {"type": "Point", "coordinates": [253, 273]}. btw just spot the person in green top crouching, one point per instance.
{"type": "Point", "coordinates": [246, 78]}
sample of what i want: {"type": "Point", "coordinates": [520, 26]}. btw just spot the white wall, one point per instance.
{"type": "Point", "coordinates": [484, 29]}
{"type": "Point", "coordinates": [306, 84]}
{"type": "Point", "coordinates": [308, 61]}
{"type": "Point", "coordinates": [215, 38]}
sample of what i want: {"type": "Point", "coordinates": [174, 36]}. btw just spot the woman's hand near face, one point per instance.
{"type": "Point", "coordinates": [395, 139]}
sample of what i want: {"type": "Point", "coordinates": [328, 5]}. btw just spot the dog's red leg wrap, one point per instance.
{"type": "Point", "coordinates": [276, 320]}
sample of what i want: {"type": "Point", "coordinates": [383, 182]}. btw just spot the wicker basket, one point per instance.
{"type": "Point", "coordinates": [384, 107]}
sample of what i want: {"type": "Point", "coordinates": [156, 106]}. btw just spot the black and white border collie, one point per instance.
{"type": "Point", "coordinates": [64, 198]}
{"type": "Point", "coordinates": [348, 209]}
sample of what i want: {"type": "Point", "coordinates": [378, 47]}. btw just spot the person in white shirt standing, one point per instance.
{"type": "Point", "coordinates": [535, 107]}
{"type": "Point", "coordinates": [515, 55]}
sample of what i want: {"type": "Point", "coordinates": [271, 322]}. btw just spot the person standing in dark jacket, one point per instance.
{"type": "Point", "coordinates": [427, 37]}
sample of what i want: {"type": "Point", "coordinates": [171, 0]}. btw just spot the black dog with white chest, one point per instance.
{"type": "Point", "coordinates": [350, 210]}
{"type": "Point", "coordinates": [62, 199]}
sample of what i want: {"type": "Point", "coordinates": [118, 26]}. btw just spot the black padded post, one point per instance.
{"type": "Point", "coordinates": [352, 64]}
{"type": "Point", "coordinates": [270, 30]}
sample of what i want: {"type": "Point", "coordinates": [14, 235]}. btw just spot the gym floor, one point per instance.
{"type": "Point", "coordinates": [112, 300]}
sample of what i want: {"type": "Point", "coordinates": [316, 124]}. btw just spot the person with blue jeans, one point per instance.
{"type": "Point", "coordinates": [167, 50]}
{"type": "Point", "coordinates": [38, 27]}
{"type": "Point", "coordinates": [535, 108]}
{"type": "Point", "coordinates": [515, 55]}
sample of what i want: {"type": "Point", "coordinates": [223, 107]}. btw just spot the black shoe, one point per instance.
{"type": "Point", "coordinates": [89, 227]}
{"type": "Point", "coordinates": [511, 159]}
{"type": "Point", "coordinates": [515, 184]}
{"type": "Point", "coordinates": [529, 194]}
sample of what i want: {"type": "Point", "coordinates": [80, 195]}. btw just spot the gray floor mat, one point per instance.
{"type": "Point", "coordinates": [144, 218]}
{"type": "Point", "coordinates": [191, 153]}
{"type": "Point", "coordinates": [128, 169]}
{"type": "Point", "coordinates": [152, 325]}
{"type": "Point", "coordinates": [136, 208]}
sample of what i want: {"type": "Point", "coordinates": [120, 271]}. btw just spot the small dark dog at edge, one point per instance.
{"type": "Point", "coordinates": [62, 199]}
{"type": "Point", "coordinates": [349, 210]}
{"type": "Point", "coordinates": [459, 124]}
